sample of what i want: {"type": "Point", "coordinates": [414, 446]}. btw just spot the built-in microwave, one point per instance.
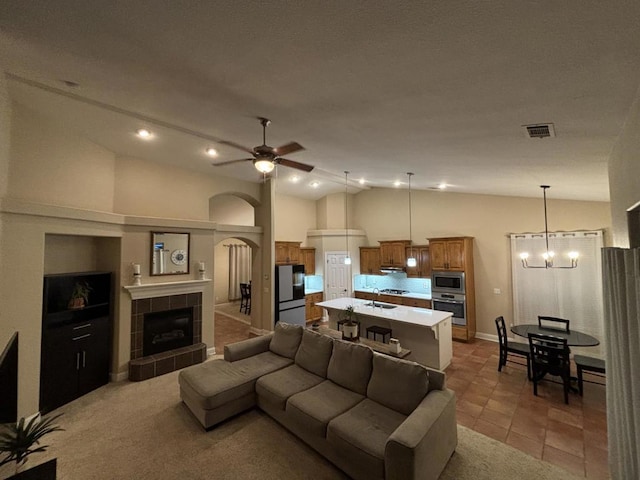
{"type": "Point", "coordinates": [449, 282]}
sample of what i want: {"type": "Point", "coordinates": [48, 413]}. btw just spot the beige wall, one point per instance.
{"type": "Point", "coordinates": [147, 188]}
{"type": "Point", "coordinates": [330, 212]}
{"type": "Point", "coordinates": [489, 219]}
{"type": "Point", "coordinates": [624, 174]}
{"type": "Point", "coordinates": [293, 218]}
{"type": "Point", "coordinates": [5, 134]}
{"type": "Point", "coordinates": [51, 165]}
{"type": "Point", "coordinates": [231, 210]}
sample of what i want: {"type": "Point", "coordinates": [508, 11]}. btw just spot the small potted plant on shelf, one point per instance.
{"type": "Point", "coordinates": [350, 325]}
{"type": "Point", "coordinates": [21, 439]}
{"type": "Point", "coordinates": [80, 295]}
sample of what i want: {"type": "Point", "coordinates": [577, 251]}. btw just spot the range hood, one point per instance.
{"type": "Point", "coordinates": [392, 269]}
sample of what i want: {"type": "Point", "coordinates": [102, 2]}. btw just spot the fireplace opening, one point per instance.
{"type": "Point", "coordinates": [167, 330]}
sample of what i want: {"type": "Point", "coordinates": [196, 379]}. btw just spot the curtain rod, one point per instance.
{"type": "Point", "coordinates": [235, 245]}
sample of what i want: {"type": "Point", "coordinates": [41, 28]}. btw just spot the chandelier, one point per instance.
{"type": "Point", "coordinates": [548, 255]}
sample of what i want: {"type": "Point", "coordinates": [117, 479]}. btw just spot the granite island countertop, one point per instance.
{"type": "Point", "coordinates": [412, 315]}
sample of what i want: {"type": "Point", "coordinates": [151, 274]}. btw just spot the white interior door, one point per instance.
{"type": "Point", "coordinates": [338, 276]}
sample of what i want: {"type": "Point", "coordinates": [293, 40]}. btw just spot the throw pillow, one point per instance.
{"type": "Point", "coordinates": [286, 339]}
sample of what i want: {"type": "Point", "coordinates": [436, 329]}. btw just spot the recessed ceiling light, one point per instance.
{"type": "Point", "coordinates": [294, 178]}
{"type": "Point", "coordinates": [362, 181]}
{"type": "Point", "coordinates": [212, 152]}
{"type": "Point", "coordinates": [314, 184]}
{"type": "Point", "coordinates": [144, 133]}
{"type": "Point", "coordinates": [397, 183]}
{"type": "Point", "coordinates": [442, 186]}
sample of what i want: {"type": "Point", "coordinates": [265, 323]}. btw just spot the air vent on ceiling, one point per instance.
{"type": "Point", "coordinates": [539, 130]}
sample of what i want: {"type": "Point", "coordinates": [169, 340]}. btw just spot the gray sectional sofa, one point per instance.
{"type": "Point", "coordinates": [373, 416]}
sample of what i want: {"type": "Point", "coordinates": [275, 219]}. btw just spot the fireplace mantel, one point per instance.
{"type": "Point", "coordinates": [152, 290]}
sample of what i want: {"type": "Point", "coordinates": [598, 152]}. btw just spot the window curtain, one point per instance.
{"type": "Point", "coordinates": [239, 269]}
{"type": "Point", "coordinates": [574, 294]}
{"type": "Point", "coordinates": [621, 278]}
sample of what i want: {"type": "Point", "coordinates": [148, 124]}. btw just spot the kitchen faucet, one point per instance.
{"type": "Point", "coordinates": [377, 293]}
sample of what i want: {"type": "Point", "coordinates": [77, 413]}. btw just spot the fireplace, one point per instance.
{"type": "Point", "coordinates": [172, 325]}
{"type": "Point", "coordinates": [168, 330]}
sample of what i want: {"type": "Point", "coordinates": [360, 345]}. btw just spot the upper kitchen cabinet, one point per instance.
{"type": "Point", "coordinates": [392, 253]}
{"type": "Point", "coordinates": [287, 253]}
{"type": "Point", "coordinates": [453, 254]}
{"type": "Point", "coordinates": [308, 259]}
{"type": "Point", "coordinates": [370, 260]}
{"type": "Point", "coordinates": [423, 267]}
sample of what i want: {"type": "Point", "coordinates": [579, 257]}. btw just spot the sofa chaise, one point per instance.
{"type": "Point", "coordinates": [373, 416]}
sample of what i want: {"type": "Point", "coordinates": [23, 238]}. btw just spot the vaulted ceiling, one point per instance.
{"type": "Point", "coordinates": [378, 88]}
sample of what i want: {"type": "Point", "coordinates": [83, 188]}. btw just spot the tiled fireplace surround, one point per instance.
{"type": "Point", "coordinates": [143, 368]}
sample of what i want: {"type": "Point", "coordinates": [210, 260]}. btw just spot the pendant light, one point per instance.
{"type": "Point", "coordinates": [411, 261]}
{"type": "Point", "coordinates": [548, 255]}
{"type": "Point", "coordinates": [347, 259]}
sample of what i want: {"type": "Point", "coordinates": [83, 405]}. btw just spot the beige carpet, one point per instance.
{"type": "Point", "coordinates": [142, 431]}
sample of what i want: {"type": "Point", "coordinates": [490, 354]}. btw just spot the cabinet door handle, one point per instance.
{"type": "Point", "coordinates": [81, 336]}
{"type": "Point", "coordinates": [82, 326]}
{"type": "Point", "coordinates": [77, 360]}
{"type": "Point", "coordinates": [84, 358]}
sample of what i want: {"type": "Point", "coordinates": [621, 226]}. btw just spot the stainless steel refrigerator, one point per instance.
{"type": "Point", "coordinates": [290, 303]}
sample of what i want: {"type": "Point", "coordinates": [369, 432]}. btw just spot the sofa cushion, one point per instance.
{"type": "Point", "coordinates": [361, 433]}
{"type": "Point", "coordinates": [314, 352]}
{"type": "Point", "coordinates": [313, 409]}
{"type": "Point", "coordinates": [278, 386]}
{"type": "Point", "coordinates": [350, 366]}
{"type": "Point", "coordinates": [286, 339]}
{"type": "Point", "coordinates": [216, 382]}
{"type": "Point", "coordinates": [397, 384]}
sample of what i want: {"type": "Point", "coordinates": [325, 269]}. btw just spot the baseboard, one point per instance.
{"type": "Point", "coordinates": [487, 336]}
{"type": "Point", "coordinates": [258, 331]}
{"type": "Point", "coordinates": [211, 351]}
{"type": "Point", "coordinates": [118, 377]}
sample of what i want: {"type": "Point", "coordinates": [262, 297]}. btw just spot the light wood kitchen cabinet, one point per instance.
{"type": "Point", "coordinates": [370, 260]}
{"type": "Point", "coordinates": [392, 253]}
{"type": "Point", "coordinates": [312, 311]}
{"type": "Point", "coordinates": [423, 267]}
{"type": "Point", "coordinates": [308, 259]}
{"type": "Point", "coordinates": [287, 253]}
{"type": "Point", "coordinates": [364, 295]}
{"type": "Point", "coordinates": [416, 302]}
{"type": "Point", "coordinates": [456, 254]}
{"type": "Point", "coordinates": [451, 254]}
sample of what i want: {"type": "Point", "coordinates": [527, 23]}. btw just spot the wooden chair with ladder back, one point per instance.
{"type": "Point", "coordinates": [511, 348]}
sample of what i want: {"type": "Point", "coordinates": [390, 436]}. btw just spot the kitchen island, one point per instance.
{"type": "Point", "coordinates": [427, 333]}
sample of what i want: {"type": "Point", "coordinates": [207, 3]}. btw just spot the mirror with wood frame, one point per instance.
{"type": "Point", "coordinates": [169, 253]}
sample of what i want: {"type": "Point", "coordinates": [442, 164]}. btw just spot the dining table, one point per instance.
{"type": "Point", "coordinates": [574, 338]}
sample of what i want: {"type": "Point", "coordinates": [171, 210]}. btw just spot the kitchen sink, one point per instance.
{"type": "Point", "coordinates": [379, 305]}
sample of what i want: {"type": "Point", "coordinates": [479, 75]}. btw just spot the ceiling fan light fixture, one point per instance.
{"type": "Point", "coordinates": [264, 166]}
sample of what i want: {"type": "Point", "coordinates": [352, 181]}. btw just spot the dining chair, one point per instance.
{"type": "Point", "coordinates": [550, 355]}
{"type": "Point", "coordinates": [553, 322]}
{"type": "Point", "coordinates": [511, 348]}
{"type": "Point", "coordinates": [245, 298]}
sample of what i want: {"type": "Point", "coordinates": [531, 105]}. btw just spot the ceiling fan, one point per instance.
{"type": "Point", "coordinates": [265, 158]}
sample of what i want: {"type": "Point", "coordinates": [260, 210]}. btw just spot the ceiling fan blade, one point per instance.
{"type": "Point", "coordinates": [289, 148]}
{"type": "Point", "coordinates": [237, 145]}
{"type": "Point", "coordinates": [230, 162]}
{"type": "Point", "coordinates": [296, 165]}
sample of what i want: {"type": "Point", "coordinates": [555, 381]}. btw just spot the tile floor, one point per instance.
{"type": "Point", "coordinates": [501, 405]}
